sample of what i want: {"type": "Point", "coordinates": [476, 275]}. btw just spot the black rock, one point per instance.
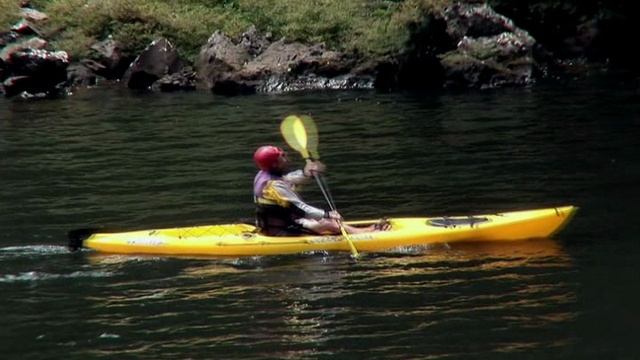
{"type": "Point", "coordinates": [184, 80]}
{"type": "Point", "coordinates": [35, 71]}
{"type": "Point", "coordinates": [157, 60]}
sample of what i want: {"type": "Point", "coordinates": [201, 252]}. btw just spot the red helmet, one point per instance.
{"type": "Point", "coordinates": [266, 157]}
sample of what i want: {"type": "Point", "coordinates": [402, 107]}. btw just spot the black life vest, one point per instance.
{"type": "Point", "coordinates": [274, 218]}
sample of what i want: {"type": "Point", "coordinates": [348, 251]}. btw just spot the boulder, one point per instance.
{"type": "Point", "coordinates": [35, 71]}
{"type": "Point", "coordinates": [491, 51]}
{"type": "Point", "coordinates": [24, 27]}
{"type": "Point", "coordinates": [24, 43]}
{"type": "Point", "coordinates": [14, 85]}
{"type": "Point", "coordinates": [108, 60]}
{"type": "Point", "coordinates": [299, 59]}
{"type": "Point", "coordinates": [31, 60]}
{"type": "Point", "coordinates": [79, 75]}
{"type": "Point", "coordinates": [184, 80]}
{"type": "Point", "coordinates": [8, 37]}
{"type": "Point", "coordinates": [489, 62]}
{"type": "Point", "coordinates": [464, 44]}
{"type": "Point", "coordinates": [255, 64]}
{"type": "Point", "coordinates": [33, 15]}
{"type": "Point", "coordinates": [477, 20]}
{"type": "Point", "coordinates": [218, 57]}
{"type": "Point", "coordinates": [157, 60]}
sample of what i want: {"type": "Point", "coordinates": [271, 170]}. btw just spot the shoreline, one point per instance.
{"type": "Point", "coordinates": [465, 45]}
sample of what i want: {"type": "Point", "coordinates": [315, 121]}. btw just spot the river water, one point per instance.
{"type": "Point", "coordinates": [112, 158]}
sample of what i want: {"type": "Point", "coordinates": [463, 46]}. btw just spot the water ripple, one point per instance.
{"type": "Point", "coordinates": [36, 276]}
{"type": "Point", "coordinates": [141, 161]}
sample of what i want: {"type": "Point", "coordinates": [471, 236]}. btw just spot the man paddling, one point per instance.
{"type": "Point", "coordinates": [280, 211]}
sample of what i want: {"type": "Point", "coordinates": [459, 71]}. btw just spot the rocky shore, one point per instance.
{"type": "Point", "coordinates": [467, 45]}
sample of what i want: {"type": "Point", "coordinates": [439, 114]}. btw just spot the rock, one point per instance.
{"type": "Point", "coordinates": [255, 65]}
{"type": "Point", "coordinates": [26, 68]}
{"type": "Point", "coordinates": [80, 75]}
{"type": "Point", "coordinates": [184, 80]}
{"type": "Point", "coordinates": [235, 84]}
{"type": "Point", "coordinates": [108, 59]}
{"type": "Point", "coordinates": [30, 61]}
{"type": "Point", "coordinates": [26, 43]}
{"type": "Point", "coordinates": [33, 15]}
{"type": "Point", "coordinates": [491, 51]}
{"type": "Point", "coordinates": [477, 20]}
{"type": "Point", "coordinates": [218, 57]}
{"type": "Point", "coordinates": [30, 88]}
{"type": "Point", "coordinates": [94, 66]}
{"type": "Point", "coordinates": [296, 58]}
{"type": "Point", "coordinates": [14, 85]}
{"type": "Point", "coordinates": [8, 37]}
{"type": "Point", "coordinates": [254, 42]}
{"type": "Point", "coordinates": [284, 83]}
{"type": "Point", "coordinates": [157, 60]}
{"type": "Point", "coordinates": [24, 27]}
{"type": "Point", "coordinates": [503, 47]}
{"type": "Point", "coordinates": [465, 44]}
{"type": "Point", "coordinates": [35, 71]}
{"type": "Point", "coordinates": [466, 71]}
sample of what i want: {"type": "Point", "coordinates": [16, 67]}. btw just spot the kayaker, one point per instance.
{"type": "Point", "coordinates": [280, 211]}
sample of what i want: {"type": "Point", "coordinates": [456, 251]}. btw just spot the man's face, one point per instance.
{"type": "Point", "coordinates": [283, 162]}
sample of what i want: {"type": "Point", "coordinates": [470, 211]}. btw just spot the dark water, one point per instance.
{"type": "Point", "coordinates": [107, 157]}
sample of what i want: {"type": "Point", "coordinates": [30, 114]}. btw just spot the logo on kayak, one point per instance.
{"type": "Point", "coordinates": [147, 242]}
{"type": "Point", "coordinates": [447, 222]}
{"type": "Point", "coordinates": [339, 238]}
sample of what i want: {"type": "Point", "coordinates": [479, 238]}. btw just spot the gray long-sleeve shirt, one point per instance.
{"type": "Point", "coordinates": [282, 191]}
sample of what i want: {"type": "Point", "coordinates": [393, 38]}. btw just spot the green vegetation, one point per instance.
{"type": "Point", "coordinates": [364, 26]}
{"type": "Point", "coordinates": [9, 13]}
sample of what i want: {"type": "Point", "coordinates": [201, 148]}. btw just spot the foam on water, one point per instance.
{"type": "Point", "coordinates": [36, 276]}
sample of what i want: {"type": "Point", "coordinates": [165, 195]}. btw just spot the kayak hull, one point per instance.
{"type": "Point", "coordinates": [244, 240]}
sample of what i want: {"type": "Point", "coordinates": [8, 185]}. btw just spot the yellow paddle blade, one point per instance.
{"type": "Point", "coordinates": [294, 133]}
{"type": "Point", "coordinates": [312, 136]}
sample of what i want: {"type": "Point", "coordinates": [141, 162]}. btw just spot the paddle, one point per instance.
{"type": "Point", "coordinates": [304, 128]}
{"type": "Point", "coordinates": [301, 133]}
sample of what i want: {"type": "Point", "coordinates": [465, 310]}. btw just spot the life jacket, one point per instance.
{"type": "Point", "coordinates": [275, 216]}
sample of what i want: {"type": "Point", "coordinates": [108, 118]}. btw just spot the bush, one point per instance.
{"type": "Point", "coordinates": [364, 26]}
{"type": "Point", "coordinates": [9, 14]}
{"type": "Point", "coordinates": [134, 23]}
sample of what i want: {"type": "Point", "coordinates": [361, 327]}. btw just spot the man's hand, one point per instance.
{"type": "Point", "coordinates": [314, 167]}
{"type": "Point", "coordinates": [334, 215]}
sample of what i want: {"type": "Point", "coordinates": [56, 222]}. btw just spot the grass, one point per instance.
{"type": "Point", "coordinates": [369, 27]}
{"type": "Point", "coordinates": [9, 13]}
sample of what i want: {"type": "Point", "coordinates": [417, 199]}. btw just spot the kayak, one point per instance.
{"type": "Point", "coordinates": [245, 240]}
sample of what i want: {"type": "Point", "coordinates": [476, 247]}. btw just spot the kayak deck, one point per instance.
{"type": "Point", "coordinates": [245, 240]}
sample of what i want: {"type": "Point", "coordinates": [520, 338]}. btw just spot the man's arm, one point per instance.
{"type": "Point", "coordinates": [284, 191]}
{"type": "Point", "coordinates": [296, 177]}
{"type": "Point", "coordinates": [299, 177]}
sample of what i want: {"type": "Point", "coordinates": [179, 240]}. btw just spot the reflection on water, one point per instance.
{"type": "Point", "coordinates": [309, 306]}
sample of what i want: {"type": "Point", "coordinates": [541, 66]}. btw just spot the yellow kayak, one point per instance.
{"type": "Point", "coordinates": [245, 240]}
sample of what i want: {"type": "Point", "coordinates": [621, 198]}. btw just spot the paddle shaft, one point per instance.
{"type": "Point", "coordinates": [332, 206]}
